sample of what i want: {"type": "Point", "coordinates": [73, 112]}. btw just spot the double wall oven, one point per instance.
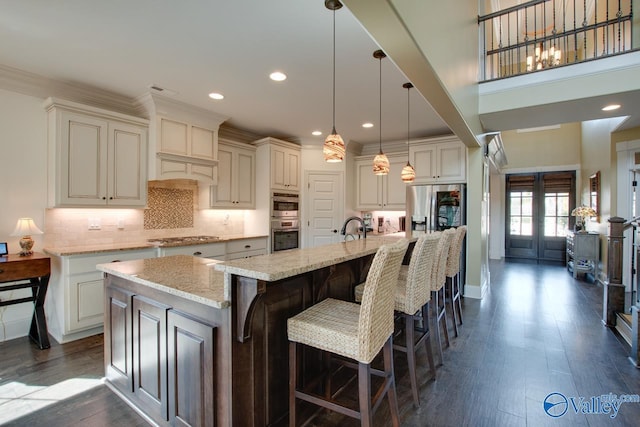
{"type": "Point", "coordinates": [285, 224]}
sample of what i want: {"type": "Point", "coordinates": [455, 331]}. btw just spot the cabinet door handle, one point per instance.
{"type": "Point", "coordinates": [116, 260]}
{"type": "Point", "coordinates": [247, 246]}
{"type": "Point", "coordinates": [198, 253]}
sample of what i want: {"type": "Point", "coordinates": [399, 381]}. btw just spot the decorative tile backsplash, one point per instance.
{"type": "Point", "coordinates": [168, 208]}
{"type": "Point", "coordinates": [172, 211]}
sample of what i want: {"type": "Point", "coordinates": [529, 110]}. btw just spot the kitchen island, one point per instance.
{"type": "Point", "coordinates": [209, 338]}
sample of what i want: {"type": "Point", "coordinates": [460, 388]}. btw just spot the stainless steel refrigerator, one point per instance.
{"type": "Point", "coordinates": [435, 207]}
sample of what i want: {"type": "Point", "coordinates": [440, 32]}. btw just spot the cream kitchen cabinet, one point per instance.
{"type": "Point", "coordinates": [205, 250]}
{"type": "Point", "coordinates": [186, 150]}
{"type": "Point", "coordinates": [96, 158]}
{"type": "Point", "coordinates": [439, 162]}
{"type": "Point", "coordinates": [236, 177]}
{"type": "Point", "coordinates": [284, 166]}
{"type": "Point", "coordinates": [74, 304]}
{"type": "Point", "coordinates": [245, 248]}
{"type": "Point", "coordinates": [386, 192]}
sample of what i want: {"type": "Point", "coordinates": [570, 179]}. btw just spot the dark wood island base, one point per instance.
{"type": "Point", "coordinates": [186, 357]}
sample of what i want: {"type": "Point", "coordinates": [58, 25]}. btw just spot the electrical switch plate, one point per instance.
{"type": "Point", "coordinates": [95, 224]}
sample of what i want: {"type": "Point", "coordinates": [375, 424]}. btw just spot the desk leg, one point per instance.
{"type": "Point", "coordinates": [38, 331]}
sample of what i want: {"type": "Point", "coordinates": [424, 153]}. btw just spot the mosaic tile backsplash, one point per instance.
{"type": "Point", "coordinates": [66, 227]}
{"type": "Point", "coordinates": [168, 208]}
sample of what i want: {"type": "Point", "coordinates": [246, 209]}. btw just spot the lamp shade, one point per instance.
{"type": "Point", "coordinates": [408, 174]}
{"type": "Point", "coordinates": [583, 211]}
{"type": "Point", "coordinates": [333, 148]}
{"type": "Point", "coordinates": [26, 227]}
{"type": "Point", "coordinates": [380, 164]}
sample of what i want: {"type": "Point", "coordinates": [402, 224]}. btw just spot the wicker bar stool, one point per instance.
{"type": "Point", "coordinates": [412, 296]}
{"type": "Point", "coordinates": [452, 284]}
{"type": "Point", "coordinates": [439, 307]}
{"type": "Point", "coordinates": [356, 332]}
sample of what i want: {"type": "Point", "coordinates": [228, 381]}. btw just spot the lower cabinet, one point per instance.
{"type": "Point", "coordinates": [163, 359]}
{"type": "Point", "coordinates": [74, 303]}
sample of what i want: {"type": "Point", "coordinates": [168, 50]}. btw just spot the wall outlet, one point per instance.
{"type": "Point", "coordinates": [120, 223]}
{"type": "Point", "coordinates": [95, 224]}
{"type": "Point", "coordinates": [225, 221]}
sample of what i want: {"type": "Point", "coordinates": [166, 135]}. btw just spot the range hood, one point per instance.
{"type": "Point", "coordinates": [183, 139]}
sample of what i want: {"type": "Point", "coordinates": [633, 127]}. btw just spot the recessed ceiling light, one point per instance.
{"type": "Point", "coordinates": [277, 76]}
{"type": "Point", "coordinates": [316, 133]}
{"type": "Point", "coordinates": [216, 95]}
{"type": "Point", "coordinates": [611, 107]}
{"type": "Point", "coordinates": [367, 125]}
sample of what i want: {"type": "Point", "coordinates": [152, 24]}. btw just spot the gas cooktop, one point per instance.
{"type": "Point", "coordinates": [183, 240]}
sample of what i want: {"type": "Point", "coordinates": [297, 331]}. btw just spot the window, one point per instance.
{"type": "Point", "coordinates": [556, 214]}
{"type": "Point", "coordinates": [521, 213]}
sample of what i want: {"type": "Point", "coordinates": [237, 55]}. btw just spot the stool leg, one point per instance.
{"type": "Point", "coordinates": [427, 341]}
{"type": "Point", "coordinates": [364, 393]}
{"type": "Point", "coordinates": [436, 323]}
{"type": "Point", "coordinates": [411, 355]}
{"type": "Point", "coordinates": [391, 392]}
{"type": "Point", "coordinates": [443, 316]}
{"type": "Point", "coordinates": [449, 290]}
{"type": "Point", "coordinates": [458, 297]}
{"type": "Point", "coordinates": [293, 381]}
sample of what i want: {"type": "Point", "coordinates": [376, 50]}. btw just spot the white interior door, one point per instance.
{"type": "Point", "coordinates": [324, 207]}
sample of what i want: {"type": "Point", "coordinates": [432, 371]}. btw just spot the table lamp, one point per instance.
{"type": "Point", "coordinates": [25, 228]}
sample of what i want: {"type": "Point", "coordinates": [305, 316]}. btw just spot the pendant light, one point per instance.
{"type": "Point", "coordinates": [408, 172]}
{"type": "Point", "coordinates": [380, 162]}
{"type": "Point", "coordinates": [333, 148]}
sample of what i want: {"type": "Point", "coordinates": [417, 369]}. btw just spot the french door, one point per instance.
{"type": "Point", "coordinates": [538, 208]}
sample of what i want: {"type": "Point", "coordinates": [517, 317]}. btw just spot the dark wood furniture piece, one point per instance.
{"type": "Point", "coordinates": [35, 268]}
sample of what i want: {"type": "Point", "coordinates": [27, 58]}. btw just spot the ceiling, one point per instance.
{"type": "Point", "coordinates": [196, 47]}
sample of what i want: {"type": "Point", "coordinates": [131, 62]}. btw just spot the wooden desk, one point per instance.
{"type": "Point", "coordinates": [36, 269]}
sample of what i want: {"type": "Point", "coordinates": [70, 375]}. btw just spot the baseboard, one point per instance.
{"type": "Point", "coordinates": [476, 292]}
{"type": "Point", "coordinates": [16, 328]}
{"type": "Point", "coordinates": [623, 327]}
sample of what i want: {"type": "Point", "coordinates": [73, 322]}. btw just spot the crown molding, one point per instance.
{"type": "Point", "coordinates": [156, 105]}
{"type": "Point", "coordinates": [26, 83]}
{"type": "Point", "coordinates": [229, 132]}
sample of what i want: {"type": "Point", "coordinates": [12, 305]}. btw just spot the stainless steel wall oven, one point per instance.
{"type": "Point", "coordinates": [285, 224]}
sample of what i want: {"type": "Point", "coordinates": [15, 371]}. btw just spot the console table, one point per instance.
{"type": "Point", "coordinates": [583, 253]}
{"type": "Point", "coordinates": [35, 268]}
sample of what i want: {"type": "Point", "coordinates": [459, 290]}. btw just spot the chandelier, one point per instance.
{"type": "Point", "coordinates": [544, 58]}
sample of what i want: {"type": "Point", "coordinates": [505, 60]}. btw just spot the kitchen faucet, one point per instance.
{"type": "Point", "coordinates": [347, 221]}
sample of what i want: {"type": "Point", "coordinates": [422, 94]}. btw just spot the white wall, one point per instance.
{"type": "Point", "coordinates": [23, 189]}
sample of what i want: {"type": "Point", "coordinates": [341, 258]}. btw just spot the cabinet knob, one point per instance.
{"type": "Point", "coordinates": [110, 198]}
{"type": "Point", "coordinates": [104, 198]}
{"type": "Point", "coordinates": [197, 253]}
{"type": "Point", "coordinates": [334, 231]}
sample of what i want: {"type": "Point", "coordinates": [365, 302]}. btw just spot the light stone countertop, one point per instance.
{"type": "Point", "coordinates": [283, 264]}
{"type": "Point", "coordinates": [185, 276]}
{"type": "Point", "coordinates": [114, 247]}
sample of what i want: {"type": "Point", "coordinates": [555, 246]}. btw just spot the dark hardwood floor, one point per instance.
{"type": "Point", "coordinates": [538, 331]}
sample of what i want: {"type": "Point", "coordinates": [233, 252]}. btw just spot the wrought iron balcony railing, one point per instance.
{"type": "Point", "coordinates": [542, 34]}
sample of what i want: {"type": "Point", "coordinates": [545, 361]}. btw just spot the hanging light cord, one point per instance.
{"type": "Point", "coordinates": [334, 72]}
{"type": "Point", "coordinates": [380, 119]}
{"type": "Point", "coordinates": [408, 118]}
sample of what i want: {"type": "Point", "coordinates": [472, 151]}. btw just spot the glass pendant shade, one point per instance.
{"type": "Point", "coordinates": [381, 164]}
{"type": "Point", "coordinates": [333, 148]}
{"type": "Point", "coordinates": [408, 173]}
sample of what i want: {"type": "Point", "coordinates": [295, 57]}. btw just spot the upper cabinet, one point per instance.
{"type": "Point", "coordinates": [284, 167]}
{"type": "Point", "coordinates": [183, 140]}
{"type": "Point", "coordinates": [96, 157]}
{"type": "Point", "coordinates": [236, 177]}
{"type": "Point", "coordinates": [439, 162]}
{"type": "Point", "coordinates": [380, 192]}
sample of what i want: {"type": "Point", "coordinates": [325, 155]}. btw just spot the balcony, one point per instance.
{"type": "Point", "coordinates": [544, 34]}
